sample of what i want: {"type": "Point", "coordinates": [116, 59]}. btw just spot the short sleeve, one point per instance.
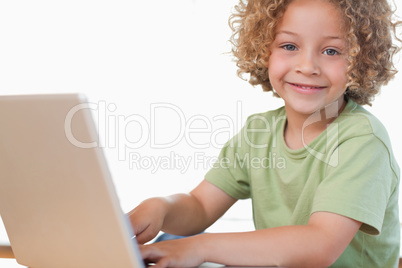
{"type": "Point", "coordinates": [360, 185]}
{"type": "Point", "coordinates": [229, 172]}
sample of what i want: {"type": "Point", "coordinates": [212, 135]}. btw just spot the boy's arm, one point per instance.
{"type": "Point", "coordinates": [180, 214]}
{"type": "Point", "coordinates": [317, 244]}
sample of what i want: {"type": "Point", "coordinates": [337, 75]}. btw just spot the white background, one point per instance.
{"type": "Point", "coordinates": [131, 55]}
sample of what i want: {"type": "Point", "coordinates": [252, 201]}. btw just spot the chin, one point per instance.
{"type": "Point", "coordinates": [307, 108]}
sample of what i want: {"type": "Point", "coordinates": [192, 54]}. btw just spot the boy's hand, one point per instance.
{"type": "Point", "coordinates": [147, 219]}
{"type": "Point", "coordinates": [180, 214]}
{"type": "Point", "coordinates": [185, 252]}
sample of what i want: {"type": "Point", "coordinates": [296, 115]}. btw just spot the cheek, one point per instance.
{"type": "Point", "coordinates": [338, 73]}
{"type": "Point", "coordinates": [277, 67]}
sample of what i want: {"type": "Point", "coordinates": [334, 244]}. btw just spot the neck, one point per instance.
{"type": "Point", "coordinates": [301, 129]}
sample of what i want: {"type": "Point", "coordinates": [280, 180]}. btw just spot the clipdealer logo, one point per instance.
{"type": "Point", "coordinates": [116, 130]}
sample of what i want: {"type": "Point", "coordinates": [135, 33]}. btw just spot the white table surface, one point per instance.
{"type": "Point", "coordinates": [10, 263]}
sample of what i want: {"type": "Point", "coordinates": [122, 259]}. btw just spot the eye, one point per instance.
{"type": "Point", "coordinates": [289, 47]}
{"type": "Point", "coordinates": [331, 52]}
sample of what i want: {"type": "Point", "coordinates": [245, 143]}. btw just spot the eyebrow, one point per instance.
{"type": "Point", "coordinates": [295, 34]}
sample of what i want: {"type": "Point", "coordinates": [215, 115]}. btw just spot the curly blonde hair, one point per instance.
{"type": "Point", "coordinates": [369, 28]}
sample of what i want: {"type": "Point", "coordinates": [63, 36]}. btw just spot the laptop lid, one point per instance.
{"type": "Point", "coordinates": [57, 199]}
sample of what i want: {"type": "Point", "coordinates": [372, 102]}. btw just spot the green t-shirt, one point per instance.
{"type": "Point", "coordinates": [349, 169]}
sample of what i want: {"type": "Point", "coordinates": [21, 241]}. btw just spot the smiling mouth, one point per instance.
{"type": "Point", "coordinates": [306, 89]}
{"type": "Point", "coordinates": [306, 86]}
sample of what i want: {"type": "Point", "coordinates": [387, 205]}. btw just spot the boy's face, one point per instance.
{"type": "Point", "coordinates": [307, 65]}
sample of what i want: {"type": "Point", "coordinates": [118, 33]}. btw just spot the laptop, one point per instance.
{"type": "Point", "coordinates": [57, 199]}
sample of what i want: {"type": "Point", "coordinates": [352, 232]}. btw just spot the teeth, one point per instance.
{"type": "Point", "coordinates": [304, 87]}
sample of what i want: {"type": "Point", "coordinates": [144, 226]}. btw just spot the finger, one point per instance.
{"type": "Point", "coordinates": [163, 263]}
{"type": "Point", "coordinates": [145, 236]}
{"type": "Point", "coordinates": [142, 239]}
{"type": "Point", "coordinates": [139, 226]}
{"type": "Point", "coordinates": [150, 253]}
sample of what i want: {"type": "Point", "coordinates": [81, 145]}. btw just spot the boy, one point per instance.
{"type": "Point", "coordinates": [335, 202]}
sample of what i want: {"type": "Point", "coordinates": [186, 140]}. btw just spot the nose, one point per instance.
{"type": "Point", "coordinates": [307, 64]}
